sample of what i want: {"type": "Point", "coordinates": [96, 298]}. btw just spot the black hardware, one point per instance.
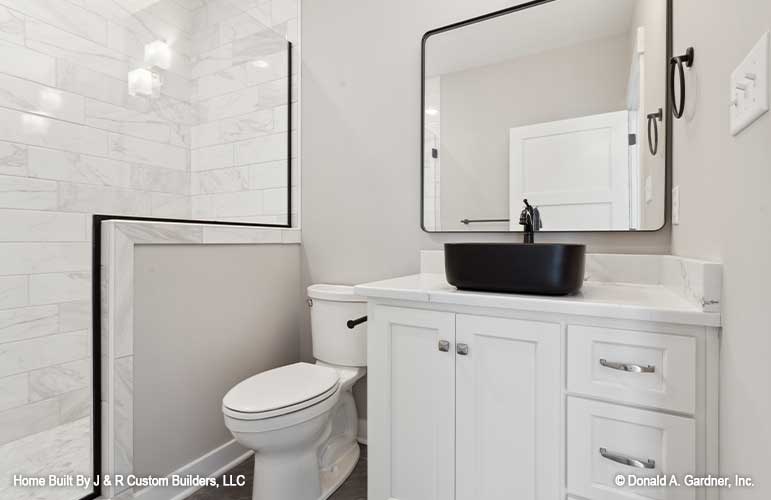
{"type": "Point", "coordinates": [653, 138]}
{"type": "Point", "coordinates": [474, 221]}
{"type": "Point", "coordinates": [632, 139]}
{"type": "Point", "coordinates": [434, 153]}
{"type": "Point", "coordinates": [351, 323]}
{"type": "Point", "coordinates": [677, 62]}
{"type": "Point", "coordinates": [526, 219]}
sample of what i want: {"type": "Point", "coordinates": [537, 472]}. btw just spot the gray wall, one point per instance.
{"type": "Point", "coordinates": [206, 317]}
{"type": "Point", "coordinates": [725, 215]}
{"type": "Point", "coordinates": [361, 176]}
{"type": "Point", "coordinates": [480, 105]}
{"type": "Point", "coordinates": [361, 142]}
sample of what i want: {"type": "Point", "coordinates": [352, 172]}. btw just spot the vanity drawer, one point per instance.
{"type": "Point", "coordinates": [601, 436]}
{"type": "Point", "coordinates": [642, 368]}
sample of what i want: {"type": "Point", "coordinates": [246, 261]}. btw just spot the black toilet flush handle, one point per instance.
{"type": "Point", "coordinates": [351, 323]}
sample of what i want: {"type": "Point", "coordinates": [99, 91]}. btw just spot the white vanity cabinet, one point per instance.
{"type": "Point", "coordinates": [467, 407]}
{"type": "Point", "coordinates": [475, 396]}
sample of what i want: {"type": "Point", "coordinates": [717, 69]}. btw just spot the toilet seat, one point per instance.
{"type": "Point", "coordinates": [281, 391]}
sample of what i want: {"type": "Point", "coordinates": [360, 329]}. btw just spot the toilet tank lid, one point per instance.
{"type": "Point", "coordinates": [339, 293]}
{"type": "Point", "coordinates": [281, 387]}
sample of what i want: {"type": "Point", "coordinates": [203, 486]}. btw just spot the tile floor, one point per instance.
{"type": "Point", "coordinates": [63, 450]}
{"type": "Point", "coordinates": [354, 488]}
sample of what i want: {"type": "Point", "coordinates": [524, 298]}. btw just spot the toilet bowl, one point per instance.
{"type": "Point", "coordinates": [301, 419]}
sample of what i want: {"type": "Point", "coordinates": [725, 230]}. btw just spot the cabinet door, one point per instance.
{"type": "Point", "coordinates": [507, 409]}
{"type": "Point", "coordinates": [411, 417]}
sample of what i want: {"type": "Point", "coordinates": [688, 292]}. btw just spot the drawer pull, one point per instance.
{"type": "Point", "coordinates": [627, 367]}
{"type": "Point", "coordinates": [444, 345]}
{"type": "Point", "coordinates": [625, 460]}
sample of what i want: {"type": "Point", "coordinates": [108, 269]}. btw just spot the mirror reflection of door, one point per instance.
{"type": "Point", "coordinates": [635, 98]}
{"type": "Point", "coordinates": [575, 171]}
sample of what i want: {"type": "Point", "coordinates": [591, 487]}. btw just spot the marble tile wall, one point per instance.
{"type": "Point", "coordinates": [240, 90]}
{"type": "Point", "coordinates": [73, 142]}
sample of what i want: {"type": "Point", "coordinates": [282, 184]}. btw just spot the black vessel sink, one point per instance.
{"type": "Point", "coordinates": [545, 269]}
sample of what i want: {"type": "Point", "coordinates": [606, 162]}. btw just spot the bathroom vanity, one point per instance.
{"type": "Point", "coordinates": [477, 395]}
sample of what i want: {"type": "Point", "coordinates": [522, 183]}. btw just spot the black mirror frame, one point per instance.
{"type": "Point", "coordinates": [516, 8]}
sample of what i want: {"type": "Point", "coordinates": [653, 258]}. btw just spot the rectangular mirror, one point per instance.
{"type": "Point", "coordinates": [560, 102]}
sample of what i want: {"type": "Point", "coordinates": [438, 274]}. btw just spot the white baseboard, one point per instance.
{"type": "Point", "coordinates": [212, 464]}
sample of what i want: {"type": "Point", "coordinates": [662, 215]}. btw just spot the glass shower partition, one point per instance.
{"type": "Point", "coordinates": [164, 109]}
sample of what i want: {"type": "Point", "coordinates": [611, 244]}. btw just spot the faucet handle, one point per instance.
{"type": "Point", "coordinates": [526, 217]}
{"type": "Point", "coordinates": [523, 217]}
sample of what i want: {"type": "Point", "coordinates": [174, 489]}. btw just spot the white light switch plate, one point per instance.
{"type": "Point", "coordinates": [751, 103]}
{"type": "Point", "coordinates": [676, 205]}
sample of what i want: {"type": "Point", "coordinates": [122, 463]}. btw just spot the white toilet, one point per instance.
{"type": "Point", "coordinates": [301, 419]}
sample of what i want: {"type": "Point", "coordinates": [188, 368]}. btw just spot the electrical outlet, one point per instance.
{"type": "Point", "coordinates": [749, 87]}
{"type": "Point", "coordinates": [676, 205]}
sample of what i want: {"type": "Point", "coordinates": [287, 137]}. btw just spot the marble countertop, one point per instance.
{"type": "Point", "coordinates": [644, 302]}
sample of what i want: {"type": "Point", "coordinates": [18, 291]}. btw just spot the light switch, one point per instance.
{"type": "Point", "coordinates": [749, 87]}
{"type": "Point", "coordinates": [676, 205]}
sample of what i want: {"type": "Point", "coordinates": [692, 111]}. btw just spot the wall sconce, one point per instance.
{"type": "Point", "coordinates": [144, 82]}
{"type": "Point", "coordinates": [158, 54]}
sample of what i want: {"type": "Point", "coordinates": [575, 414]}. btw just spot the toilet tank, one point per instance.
{"type": "Point", "coordinates": [333, 342]}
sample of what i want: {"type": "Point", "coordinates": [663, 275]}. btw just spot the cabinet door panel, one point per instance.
{"type": "Point", "coordinates": [412, 455]}
{"type": "Point", "coordinates": [508, 409]}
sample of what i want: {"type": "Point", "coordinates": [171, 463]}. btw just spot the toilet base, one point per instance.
{"type": "Point", "coordinates": [336, 475]}
{"type": "Point", "coordinates": [307, 454]}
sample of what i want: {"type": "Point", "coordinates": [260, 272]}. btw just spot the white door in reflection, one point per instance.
{"type": "Point", "coordinates": [575, 171]}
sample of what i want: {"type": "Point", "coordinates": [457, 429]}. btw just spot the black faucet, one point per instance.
{"type": "Point", "coordinates": [526, 219]}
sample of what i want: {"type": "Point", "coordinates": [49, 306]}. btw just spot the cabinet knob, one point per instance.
{"type": "Point", "coordinates": [462, 349]}
{"type": "Point", "coordinates": [444, 345]}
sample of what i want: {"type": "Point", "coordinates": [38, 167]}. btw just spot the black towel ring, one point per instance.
{"type": "Point", "coordinates": [653, 138]}
{"type": "Point", "coordinates": [677, 62]}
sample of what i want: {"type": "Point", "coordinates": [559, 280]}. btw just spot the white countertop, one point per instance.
{"type": "Point", "coordinates": [598, 299]}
